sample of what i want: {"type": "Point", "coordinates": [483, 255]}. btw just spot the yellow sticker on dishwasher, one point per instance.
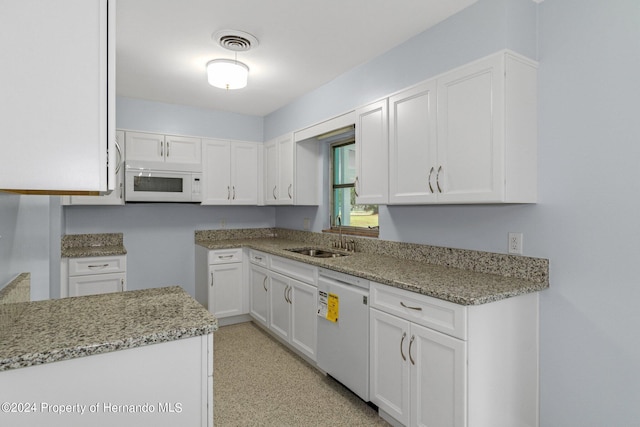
{"type": "Point", "coordinates": [333, 307]}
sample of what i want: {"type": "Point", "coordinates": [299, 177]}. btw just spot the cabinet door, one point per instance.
{"type": "Point", "coordinates": [259, 294]}
{"type": "Point", "coordinates": [280, 307]}
{"type": "Point", "coordinates": [372, 151]}
{"type": "Point", "coordinates": [225, 290]}
{"type": "Point", "coordinates": [413, 146]}
{"type": "Point", "coordinates": [244, 173]}
{"type": "Point", "coordinates": [216, 171]}
{"type": "Point", "coordinates": [304, 317]}
{"type": "Point", "coordinates": [271, 172]}
{"type": "Point", "coordinates": [438, 378]}
{"type": "Point", "coordinates": [56, 94]}
{"type": "Point", "coordinates": [471, 133]}
{"type": "Point", "coordinates": [115, 197]}
{"type": "Point", "coordinates": [144, 147]}
{"type": "Point", "coordinates": [96, 284]}
{"type": "Point", "coordinates": [285, 170]}
{"type": "Point", "coordinates": [182, 150]}
{"type": "Point", "coordinates": [389, 364]}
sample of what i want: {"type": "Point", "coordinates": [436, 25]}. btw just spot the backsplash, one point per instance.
{"type": "Point", "coordinates": [87, 240]}
{"type": "Point", "coordinates": [240, 233]}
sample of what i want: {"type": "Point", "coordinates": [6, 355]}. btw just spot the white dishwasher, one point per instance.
{"type": "Point", "coordinates": [343, 329]}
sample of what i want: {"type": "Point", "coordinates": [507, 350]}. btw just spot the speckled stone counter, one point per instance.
{"type": "Point", "coordinates": [18, 290]}
{"type": "Point", "coordinates": [456, 275]}
{"type": "Point", "coordinates": [34, 333]}
{"type": "Point", "coordinates": [92, 245]}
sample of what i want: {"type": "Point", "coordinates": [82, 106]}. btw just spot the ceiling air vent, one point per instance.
{"type": "Point", "coordinates": [237, 41]}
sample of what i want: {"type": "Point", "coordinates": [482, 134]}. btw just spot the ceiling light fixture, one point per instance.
{"type": "Point", "coordinates": [230, 73]}
{"type": "Point", "coordinates": [227, 74]}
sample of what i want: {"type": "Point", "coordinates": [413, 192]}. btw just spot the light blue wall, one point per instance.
{"type": "Point", "coordinates": [142, 115]}
{"type": "Point", "coordinates": [159, 237]}
{"type": "Point", "coordinates": [26, 233]}
{"type": "Point", "coordinates": [586, 221]}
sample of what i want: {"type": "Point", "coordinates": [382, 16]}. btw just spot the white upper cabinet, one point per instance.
{"type": "Point", "coordinates": [165, 152]}
{"type": "Point", "coordinates": [58, 95]}
{"type": "Point", "coordinates": [278, 170]}
{"type": "Point", "coordinates": [230, 172]}
{"type": "Point", "coordinates": [372, 149]}
{"type": "Point", "coordinates": [467, 136]}
{"type": "Point", "coordinates": [413, 145]}
{"type": "Point", "coordinates": [115, 197]}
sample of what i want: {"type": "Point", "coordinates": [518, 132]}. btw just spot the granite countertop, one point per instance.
{"type": "Point", "coordinates": [92, 245]}
{"type": "Point", "coordinates": [33, 333]}
{"type": "Point", "coordinates": [457, 285]}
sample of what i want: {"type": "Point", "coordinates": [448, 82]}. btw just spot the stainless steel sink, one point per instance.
{"type": "Point", "coordinates": [317, 253]}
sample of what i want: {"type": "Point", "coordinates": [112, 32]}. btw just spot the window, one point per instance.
{"type": "Point", "coordinates": [361, 219]}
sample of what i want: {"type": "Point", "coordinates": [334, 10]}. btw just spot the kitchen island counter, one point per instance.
{"type": "Point", "coordinates": [34, 333]}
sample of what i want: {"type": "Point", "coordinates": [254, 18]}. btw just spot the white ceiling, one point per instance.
{"type": "Point", "coordinates": [164, 45]}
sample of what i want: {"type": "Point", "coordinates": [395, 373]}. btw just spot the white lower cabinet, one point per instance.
{"type": "Point", "coordinates": [418, 375]}
{"type": "Point", "coordinates": [293, 313]}
{"type": "Point", "coordinates": [93, 275]}
{"type": "Point", "coordinates": [434, 363]}
{"type": "Point", "coordinates": [220, 283]}
{"type": "Point", "coordinates": [259, 284]}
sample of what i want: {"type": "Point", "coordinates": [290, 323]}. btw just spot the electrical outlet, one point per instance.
{"type": "Point", "coordinates": [515, 243]}
{"type": "Point", "coordinates": [307, 224]}
{"type": "Point", "coordinates": [223, 223]}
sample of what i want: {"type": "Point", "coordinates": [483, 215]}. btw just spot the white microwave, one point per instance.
{"type": "Point", "coordinates": [144, 185]}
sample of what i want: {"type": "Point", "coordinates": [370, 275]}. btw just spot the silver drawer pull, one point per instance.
{"type": "Point", "coordinates": [225, 256]}
{"type": "Point", "coordinates": [257, 258]}
{"type": "Point", "coordinates": [411, 308]}
{"type": "Point", "coordinates": [413, 362]}
{"type": "Point", "coordinates": [98, 266]}
{"type": "Point", "coordinates": [404, 335]}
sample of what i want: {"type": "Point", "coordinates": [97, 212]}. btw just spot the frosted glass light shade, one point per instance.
{"type": "Point", "coordinates": [227, 73]}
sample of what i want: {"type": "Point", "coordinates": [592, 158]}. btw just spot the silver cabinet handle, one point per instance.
{"type": "Point", "coordinates": [289, 191]}
{"type": "Point", "coordinates": [122, 284]}
{"type": "Point", "coordinates": [264, 283]}
{"type": "Point", "coordinates": [228, 193]}
{"type": "Point", "coordinates": [410, 308]}
{"type": "Point", "coordinates": [98, 267]}
{"type": "Point", "coordinates": [121, 191]}
{"type": "Point", "coordinates": [118, 157]}
{"type": "Point", "coordinates": [355, 187]}
{"type": "Point", "coordinates": [404, 335]}
{"type": "Point", "coordinates": [274, 193]}
{"type": "Point", "coordinates": [257, 258]}
{"type": "Point", "coordinates": [225, 256]}
{"type": "Point", "coordinates": [438, 179]}
{"type": "Point", "coordinates": [234, 192]}
{"type": "Point", "coordinates": [410, 344]}
{"type": "Point", "coordinates": [212, 278]}
{"type": "Point", "coordinates": [161, 148]}
{"type": "Point", "coordinates": [429, 180]}
{"type": "Point", "coordinates": [289, 295]}
{"type": "Point", "coordinates": [285, 293]}
{"type": "Point", "coordinates": [167, 148]}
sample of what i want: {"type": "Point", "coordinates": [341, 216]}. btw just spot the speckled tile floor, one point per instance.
{"type": "Point", "coordinates": [258, 382]}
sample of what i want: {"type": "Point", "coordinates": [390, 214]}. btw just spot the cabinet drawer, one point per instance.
{"type": "Point", "coordinates": [225, 256]}
{"type": "Point", "coordinates": [442, 316]}
{"type": "Point", "coordinates": [294, 269]}
{"type": "Point", "coordinates": [258, 258]}
{"type": "Point", "coordinates": [97, 265]}
{"type": "Point", "coordinates": [96, 284]}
